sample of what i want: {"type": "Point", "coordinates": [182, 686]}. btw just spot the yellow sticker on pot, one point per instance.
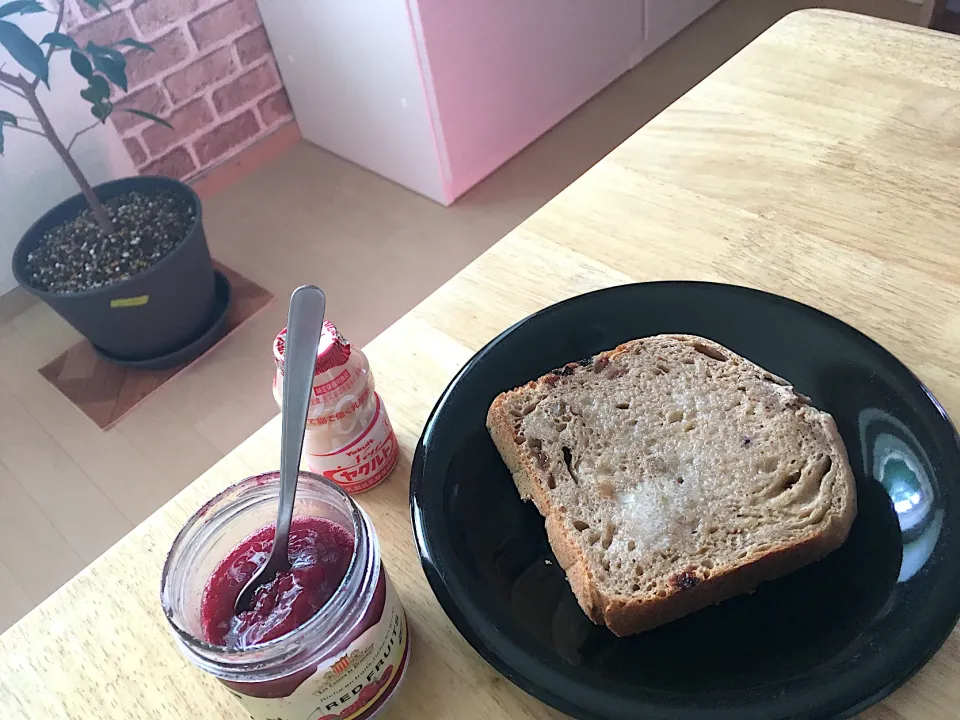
{"type": "Point", "coordinates": [130, 301]}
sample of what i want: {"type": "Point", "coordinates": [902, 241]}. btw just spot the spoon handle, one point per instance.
{"type": "Point", "coordinates": [304, 326]}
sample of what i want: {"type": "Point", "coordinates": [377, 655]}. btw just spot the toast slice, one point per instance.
{"type": "Point", "coordinates": [673, 474]}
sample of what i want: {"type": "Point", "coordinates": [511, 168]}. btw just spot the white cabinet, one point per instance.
{"type": "Point", "coordinates": [353, 76]}
{"type": "Point", "coordinates": [665, 18]}
{"type": "Point", "coordinates": [436, 94]}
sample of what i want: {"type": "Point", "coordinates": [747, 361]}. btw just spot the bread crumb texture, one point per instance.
{"type": "Point", "coordinates": [670, 461]}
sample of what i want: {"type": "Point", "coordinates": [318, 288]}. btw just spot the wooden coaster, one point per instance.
{"type": "Point", "coordinates": [105, 392]}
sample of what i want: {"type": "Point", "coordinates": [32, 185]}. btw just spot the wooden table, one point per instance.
{"type": "Point", "coordinates": [822, 163]}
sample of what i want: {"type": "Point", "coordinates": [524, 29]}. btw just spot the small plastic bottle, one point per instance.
{"type": "Point", "coordinates": [349, 439]}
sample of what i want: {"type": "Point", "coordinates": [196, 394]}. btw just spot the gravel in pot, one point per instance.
{"type": "Point", "coordinates": [77, 255]}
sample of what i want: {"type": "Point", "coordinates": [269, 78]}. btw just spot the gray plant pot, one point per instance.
{"type": "Point", "coordinates": [152, 314]}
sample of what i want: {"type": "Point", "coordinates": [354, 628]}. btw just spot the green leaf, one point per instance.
{"type": "Point", "coordinates": [99, 84]}
{"type": "Point", "coordinates": [7, 117]}
{"type": "Point", "coordinates": [101, 110]}
{"type": "Point", "coordinates": [130, 42]}
{"type": "Point", "coordinates": [24, 50]}
{"type": "Point", "coordinates": [99, 4]}
{"type": "Point", "coordinates": [98, 91]}
{"type": "Point", "coordinates": [60, 40]}
{"type": "Point", "coordinates": [112, 69]}
{"type": "Point", "coordinates": [102, 51]}
{"type": "Point", "coordinates": [24, 7]}
{"type": "Point", "coordinates": [149, 116]}
{"type": "Point", "coordinates": [81, 64]}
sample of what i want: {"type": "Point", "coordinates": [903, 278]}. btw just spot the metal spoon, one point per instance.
{"type": "Point", "coordinates": [304, 325]}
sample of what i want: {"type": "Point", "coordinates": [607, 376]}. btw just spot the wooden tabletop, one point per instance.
{"type": "Point", "coordinates": [821, 163]}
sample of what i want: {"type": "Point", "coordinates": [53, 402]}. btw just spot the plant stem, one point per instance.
{"type": "Point", "coordinates": [12, 83]}
{"type": "Point", "coordinates": [28, 90]}
{"type": "Point", "coordinates": [81, 132]}
{"type": "Point", "coordinates": [51, 48]}
{"type": "Point", "coordinates": [6, 87]}
{"type": "Point", "coordinates": [99, 212]}
{"type": "Point", "coordinates": [21, 128]}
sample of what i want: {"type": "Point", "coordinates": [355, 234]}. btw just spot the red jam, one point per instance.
{"type": "Point", "coordinates": [320, 553]}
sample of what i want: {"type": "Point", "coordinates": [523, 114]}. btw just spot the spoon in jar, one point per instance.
{"type": "Point", "coordinates": [304, 326]}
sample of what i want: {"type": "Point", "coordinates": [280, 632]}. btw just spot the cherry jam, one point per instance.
{"type": "Point", "coordinates": [320, 553]}
{"type": "Point", "coordinates": [325, 639]}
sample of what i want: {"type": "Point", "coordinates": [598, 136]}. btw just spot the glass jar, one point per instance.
{"type": "Point", "coordinates": [341, 664]}
{"type": "Point", "coordinates": [349, 438]}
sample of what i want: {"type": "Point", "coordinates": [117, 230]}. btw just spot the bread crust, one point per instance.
{"type": "Point", "coordinates": [629, 615]}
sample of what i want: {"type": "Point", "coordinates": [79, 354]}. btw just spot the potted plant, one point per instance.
{"type": "Point", "coordinates": [126, 263]}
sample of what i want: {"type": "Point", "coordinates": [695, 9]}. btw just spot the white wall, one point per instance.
{"type": "Point", "coordinates": [353, 76]}
{"type": "Point", "coordinates": [32, 177]}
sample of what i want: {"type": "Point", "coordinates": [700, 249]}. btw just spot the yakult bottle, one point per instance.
{"type": "Point", "coordinates": [349, 439]}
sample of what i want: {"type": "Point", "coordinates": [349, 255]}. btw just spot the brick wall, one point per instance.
{"type": "Point", "coordinates": [212, 75]}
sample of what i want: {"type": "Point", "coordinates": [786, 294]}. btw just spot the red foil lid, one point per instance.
{"type": "Point", "coordinates": [333, 351]}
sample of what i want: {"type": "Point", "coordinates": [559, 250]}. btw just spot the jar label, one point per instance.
{"type": "Point", "coordinates": [364, 462]}
{"type": "Point", "coordinates": [355, 683]}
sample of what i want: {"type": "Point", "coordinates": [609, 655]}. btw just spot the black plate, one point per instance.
{"type": "Point", "coordinates": [826, 641]}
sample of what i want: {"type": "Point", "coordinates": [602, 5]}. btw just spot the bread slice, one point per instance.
{"type": "Point", "coordinates": [673, 474]}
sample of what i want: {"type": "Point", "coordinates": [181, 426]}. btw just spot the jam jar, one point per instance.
{"type": "Point", "coordinates": [334, 647]}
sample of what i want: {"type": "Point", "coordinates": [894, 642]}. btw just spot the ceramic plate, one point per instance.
{"type": "Point", "coordinates": [824, 642]}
